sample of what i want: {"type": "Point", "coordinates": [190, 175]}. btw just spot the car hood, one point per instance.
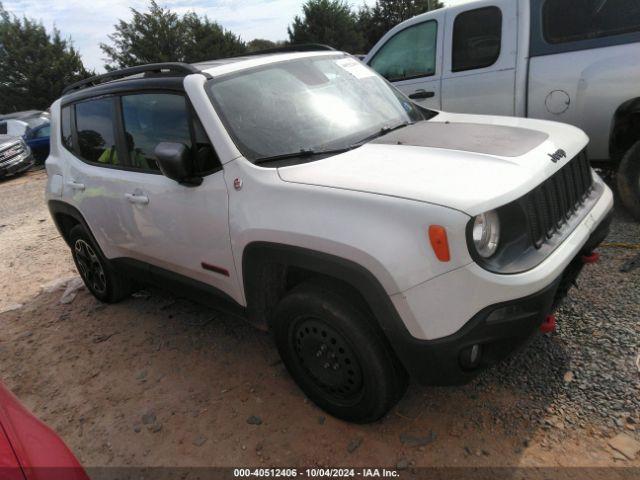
{"type": "Point", "coordinates": [471, 163]}
{"type": "Point", "coordinates": [8, 140]}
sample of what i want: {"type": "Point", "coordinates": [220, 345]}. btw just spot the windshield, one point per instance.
{"type": "Point", "coordinates": [309, 106]}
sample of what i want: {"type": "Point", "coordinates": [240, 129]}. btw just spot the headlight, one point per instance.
{"type": "Point", "coordinates": [486, 233]}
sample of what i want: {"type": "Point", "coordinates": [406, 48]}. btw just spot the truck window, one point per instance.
{"type": "Point", "coordinates": [410, 53]}
{"type": "Point", "coordinates": [3, 128]}
{"type": "Point", "coordinates": [589, 19]}
{"type": "Point", "coordinates": [477, 37]}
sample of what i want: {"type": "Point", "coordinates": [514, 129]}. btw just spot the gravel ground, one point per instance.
{"type": "Point", "coordinates": [589, 366]}
{"type": "Point", "coordinates": [158, 381]}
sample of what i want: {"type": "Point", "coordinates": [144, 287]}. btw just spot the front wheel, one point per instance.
{"type": "Point", "coordinates": [629, 181]}
{"type": "Point", "coordinates": [337, 354]}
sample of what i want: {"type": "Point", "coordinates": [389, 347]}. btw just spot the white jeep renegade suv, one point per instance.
{"type": "Point", "coordinates": [373, 237]}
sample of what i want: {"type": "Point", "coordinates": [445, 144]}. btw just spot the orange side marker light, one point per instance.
{"type": "Point", "coordinates": [439, 242]}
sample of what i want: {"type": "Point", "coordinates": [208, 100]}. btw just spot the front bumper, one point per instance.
{"type": "Point", "coordinates": [443, 305]}
{"type": "Point", "coordinates": [500, 329]}
{"type": "Point", "coordinates": [505, 311]}
{"type": "Point", "coordinates": [17, 164]}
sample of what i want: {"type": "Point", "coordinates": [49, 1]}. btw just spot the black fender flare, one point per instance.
{"type": "Point", "coordinates": [259, 256]}
{"type": "Point", "coordinates": [58, 209]}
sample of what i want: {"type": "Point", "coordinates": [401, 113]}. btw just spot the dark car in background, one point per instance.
{"type": "Point", "coordinates": [37, 138]}
{"type": "Point", "coordinates": [33, 126]}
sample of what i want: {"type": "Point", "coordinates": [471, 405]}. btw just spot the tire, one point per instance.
{"type": "Point", "coordinates": [337, 354]}
{"type": "Point", "coordinates": [628, 178]}
{"type": "Point", "coordinates": [98, 274]}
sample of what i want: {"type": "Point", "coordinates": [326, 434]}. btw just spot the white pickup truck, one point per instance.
{"type": "Point", "coordinates": [573, 61]}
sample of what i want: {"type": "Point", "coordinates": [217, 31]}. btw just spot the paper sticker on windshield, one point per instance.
{"type": "Point", "coordinates": [355, 68]}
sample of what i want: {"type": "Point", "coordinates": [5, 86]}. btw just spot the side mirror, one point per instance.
{"type": "Point", "coordinates": [174, 160]}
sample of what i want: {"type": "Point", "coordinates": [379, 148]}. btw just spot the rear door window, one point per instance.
{"type": "Point", "coordinates": [477, 38]}
{"type": "Point", "coordinates": [96, 131]}
{"type": "Point", "coordinates": [409, 54]}
{"type": "Point", "coordinates": [573, 20]}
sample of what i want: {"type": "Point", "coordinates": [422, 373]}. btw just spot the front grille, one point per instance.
{"type": "Point", "coordinates": [551, 204]}
{"type": "Point", "coordinates": [10, 153]}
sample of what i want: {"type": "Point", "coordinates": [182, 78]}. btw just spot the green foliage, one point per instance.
{"type": "Point", "coordinates": [34, 65]}
{"type": "Point", "coordinates": [261, 44]}
{"type": "Point", "coordinates": [375, 21]}
{"type": "Point", "coordinates": [160, 35]}
{"type": "Point", "coordinates": [330, 22]}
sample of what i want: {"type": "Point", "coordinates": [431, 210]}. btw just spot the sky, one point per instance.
{"type": "Point", "coordinates": [88, 22]}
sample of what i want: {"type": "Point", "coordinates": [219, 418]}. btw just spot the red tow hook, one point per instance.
{"type": "Point", "coordinates": [549, 324]}
{"type": "Point", "coordinates": [593, 257]}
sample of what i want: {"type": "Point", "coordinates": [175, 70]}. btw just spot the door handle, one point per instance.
{"type": "Point", "coordinates": [136, 199]}
{"type": "Point", "coordinates": [73, 185]}
{"type": "Point", "coordinates": [421, 95]}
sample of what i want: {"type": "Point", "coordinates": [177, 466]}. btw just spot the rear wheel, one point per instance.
{"type": "Point", "coordinates": [99, 275]}
{"type": "Point", "coordinates": [629, 181]}
{"type": "Point", "coordinates": [337, 354]}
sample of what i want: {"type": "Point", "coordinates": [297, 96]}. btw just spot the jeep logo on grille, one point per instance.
{"type": "Point", "coordinates": [557, 156]}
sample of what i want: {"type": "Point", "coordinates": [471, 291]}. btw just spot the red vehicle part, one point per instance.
{"type": "Point", "coordinates": [549, 324]}
{"type": "Point", "coordinates": [29, 450]}
{"type": "Point", "coordinates": [9, 466]}
{"type": "Point", "coordinates": [593, 257]}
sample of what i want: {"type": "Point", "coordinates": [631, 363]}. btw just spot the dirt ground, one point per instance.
{"type": "Point", "coordinates": [159, 381]}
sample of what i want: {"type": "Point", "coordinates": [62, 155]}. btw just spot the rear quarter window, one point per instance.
{"type": "Point", "coordinates": [589, 19]}
{"type": "Point", "coordinates": [65, 128]}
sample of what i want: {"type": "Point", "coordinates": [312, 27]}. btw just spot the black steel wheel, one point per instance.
{"type": "Point", "coordinates": [336, 352]}
{"type": "Point", "coordinates": [328, 359]}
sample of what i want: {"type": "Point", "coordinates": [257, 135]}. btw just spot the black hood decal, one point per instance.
{"type": "Point", "coordinates": [494, 140]}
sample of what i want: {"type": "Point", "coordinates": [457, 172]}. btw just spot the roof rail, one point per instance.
{"type": "Point", "coordinates": [158, 68]}
{"type": "Point", "coordinates": [303, 47]}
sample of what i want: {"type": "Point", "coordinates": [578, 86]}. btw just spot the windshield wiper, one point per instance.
{"type": "Point", "coordinates": [307, 152]}
{"type": "Point", "coordinates": [302, 153]}
{"type": "Point", "coordinates": [381, 132]}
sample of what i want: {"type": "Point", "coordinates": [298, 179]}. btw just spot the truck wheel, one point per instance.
{"type": "Point", "coordinates": [629, 181]}
{"type": "Point", "coordinates": [99, 276]}
{"type": "Point", "coordinates": [337, 354]}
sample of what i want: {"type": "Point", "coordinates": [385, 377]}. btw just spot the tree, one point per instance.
{"type": "Point", "coordinates": [261, 44]}
{"type": "Point", "coordinates": [35, 66]}
{"type": "Point", "coordinates": [375, 21]}
{"type": "Point", "coordinates": [331, 22]}
{"type": "Point", "coordinates": [207, 40]}
{"type": "Point", "coordinates": [160, 35]}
